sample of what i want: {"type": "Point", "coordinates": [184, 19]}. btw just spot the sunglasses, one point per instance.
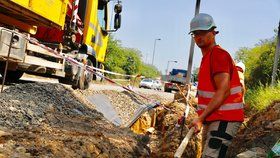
{"type": "Point", "coordinates": [202, 33]}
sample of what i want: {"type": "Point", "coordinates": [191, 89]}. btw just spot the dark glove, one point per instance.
{"type": "Point", "coordinates": [181, 120]}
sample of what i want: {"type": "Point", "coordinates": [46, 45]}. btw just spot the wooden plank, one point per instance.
{"type": "Point", "coordinates": [40, 50]}
{"type": "Point", "coordinates": [32, 60]}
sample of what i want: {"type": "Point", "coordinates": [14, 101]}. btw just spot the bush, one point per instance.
{"type": "Point", "coordinates": [262, 96]}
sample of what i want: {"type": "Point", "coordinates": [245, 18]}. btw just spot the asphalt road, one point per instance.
{"type": "Point", "coordinates": [168, 96]}
{"type": "Point", "coordinates": [98, 86]}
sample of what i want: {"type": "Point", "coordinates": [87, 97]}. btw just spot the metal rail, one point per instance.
{"type": "Point", "coordinates": [7, 62]}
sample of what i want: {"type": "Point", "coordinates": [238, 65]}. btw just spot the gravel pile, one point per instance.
{"type": "Point", "coordinates": [123, 102]}
{"type": "Point", "coordinates": [49, 120]}
{"type": "Point", "coordinates": [25, 104]}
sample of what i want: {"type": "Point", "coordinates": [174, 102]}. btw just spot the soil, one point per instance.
{"type": "Point", "coordinates": [47, 120]}
{"type": "Point", "coordinates": [261, 131]}
{"type": "Point", "coordinates": [169, 134]}
{"type": "Point", "coordinates": [51, 120]}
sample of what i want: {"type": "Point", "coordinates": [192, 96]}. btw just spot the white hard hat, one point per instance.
{"type": "Point", "coordinates": [202, 21]}
{"type": "Point", "coordinates": [241, 65]}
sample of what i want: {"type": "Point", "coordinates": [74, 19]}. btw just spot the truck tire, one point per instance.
{"type": "Point", "coordinates": [88, 75]}
{"type": "Point", "coordinates": [12, 76]}
{"type": "Point", "coordinates": [84, 80]}
{"type": "Point", "coordinates": [167, 90]}
{"type": "Point", "coordinates": [79, 83]}
{"type": "Point", "coordinates": [65, 80]}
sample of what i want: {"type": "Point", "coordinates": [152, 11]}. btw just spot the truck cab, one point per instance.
{"type": "Point", "coordinates": [177, 77]}
{"type": "Point", "coordinates": [36, 36]}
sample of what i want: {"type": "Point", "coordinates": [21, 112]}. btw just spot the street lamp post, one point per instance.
{"type": "Point", "coordinates": [276, 58]}
{"type": "Point", "coordinates": [188, 78]}
{"type": "Point", "coordinates": [168, 65]}
{"type": "Point", "coordinates": [158, 39]}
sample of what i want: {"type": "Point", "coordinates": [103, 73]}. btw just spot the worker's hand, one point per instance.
{"type": "Point", "coordinates": [197, 124]}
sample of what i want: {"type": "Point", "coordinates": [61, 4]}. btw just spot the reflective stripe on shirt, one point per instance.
{"type": "Point", "coordinates": [231, 106]}
{"type": "Point", "coordinates": [207, 94]}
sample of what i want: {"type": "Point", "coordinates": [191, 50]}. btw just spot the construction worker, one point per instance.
{"type": "Point", "coordinates": [241, 70]}
{"type": "Point", "coordinates": [220, 106]}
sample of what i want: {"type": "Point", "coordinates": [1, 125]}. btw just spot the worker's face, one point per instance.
{"type": "Point", "coordinates": [204, 38]}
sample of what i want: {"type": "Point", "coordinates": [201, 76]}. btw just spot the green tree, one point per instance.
{"type": "Point", "coordinates": [113, 60]}
{"type": "Point", "coordinates": [126, 60]}
{"type": "Point", "coordinates": [259, 62]}
{"type": "Point", "coordinates": [133, 61]}
{"type": "Point", "coordinates": [195, 74]}
{"type": "Point", "coordinates": [149, 71]}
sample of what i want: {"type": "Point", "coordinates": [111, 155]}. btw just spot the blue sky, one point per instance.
{"type": "Point", "coordinates": [242, 23]}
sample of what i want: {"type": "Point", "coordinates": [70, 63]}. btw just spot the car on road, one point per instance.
{"type": "Point", "coordinates": [148, 83]}
{"type": "Point", "coordinates": [158, 85]}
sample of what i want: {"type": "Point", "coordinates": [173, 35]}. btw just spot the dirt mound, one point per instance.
{"type": "Point", "coordinates": [47, 120]}
{"type": "Point", "coordinates": [262, 130]}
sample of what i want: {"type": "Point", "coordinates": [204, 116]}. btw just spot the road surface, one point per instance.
{"type": "Point", "coordinates": [97, 86]}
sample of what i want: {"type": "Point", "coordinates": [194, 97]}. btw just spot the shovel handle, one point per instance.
{"type": "Point", "coordinates": [179, 152]}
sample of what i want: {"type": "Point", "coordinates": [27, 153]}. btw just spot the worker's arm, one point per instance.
{"type": "Point", "coordinates": [222, 82]}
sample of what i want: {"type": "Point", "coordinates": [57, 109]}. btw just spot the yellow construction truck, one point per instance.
{"type": "Point", "coordinates": [77, 29]}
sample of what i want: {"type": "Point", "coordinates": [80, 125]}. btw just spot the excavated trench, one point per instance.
{"type": "Point", "coordinates": [158, 125]}
{"type": "Point", "coordinates": [51, 120]}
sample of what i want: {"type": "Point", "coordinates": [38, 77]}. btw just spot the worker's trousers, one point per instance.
{"type": "Point", "coordinates": [216, 138]}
